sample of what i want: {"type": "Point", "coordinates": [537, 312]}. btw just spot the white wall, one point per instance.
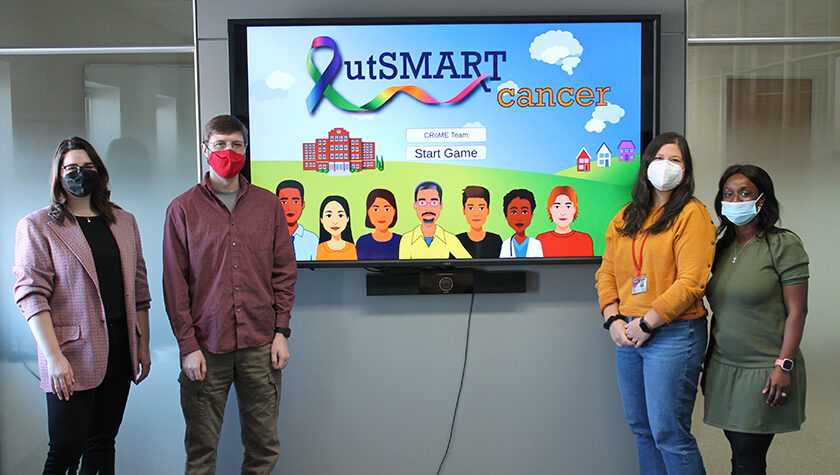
{"type": "Point", "coordinates": [372, 381]}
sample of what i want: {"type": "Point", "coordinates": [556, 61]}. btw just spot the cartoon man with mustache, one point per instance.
{"type": "Point", "coordinates": [430, 241]}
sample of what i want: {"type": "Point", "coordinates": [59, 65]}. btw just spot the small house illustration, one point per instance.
{"type": "Point", "coordinates": [583, 159]}
{"type": "Point", "coordinates": [626, 151]}
{"type": "Point", "coordinates": [604, 156]}
{"type": "Point", "coordinates": [339, 153]}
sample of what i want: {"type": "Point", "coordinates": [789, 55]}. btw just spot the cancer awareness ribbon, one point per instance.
{"type": "Point", "coordinates": [323, 88]}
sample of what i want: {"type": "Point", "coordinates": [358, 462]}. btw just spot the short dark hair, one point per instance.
{"type": "Point", "coordinates": [385, 195]}
{"type": "Point", "coordinates": [290, 184]}
{"type": "Point", "coordinates": [100, 199]}
{"type": "Point", "coordinates": [474, 191]}
{"type": "Point", "coordinates": [428, 185]}
{"type": "Point", "coordinates": [224, 124]}
{"type": "Point", "coordinates": [518, 193]}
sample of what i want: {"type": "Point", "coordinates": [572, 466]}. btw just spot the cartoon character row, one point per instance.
{"type": "Point", "coordinates": [429, 240]}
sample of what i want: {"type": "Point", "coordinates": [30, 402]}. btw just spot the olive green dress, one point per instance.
{"type": "Point", "coordinates": [748, 324]}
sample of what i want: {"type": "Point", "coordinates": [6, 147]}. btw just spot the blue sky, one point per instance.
{"type": "Point", "coordinates": [539, 139]}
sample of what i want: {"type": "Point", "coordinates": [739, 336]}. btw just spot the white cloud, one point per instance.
{"type": "Point", "coordinates": [557, 47]}
{"type": "Point", "coordinates": [595, 125]}
{"type": "Point", "coordinates": [472, 124]}
{"type": "Point", "coordinates": [611, 113]}
{"type": "Point", "coordinates": [507, 85]}
{"type": "Point", "coordinates": [569, 64]}
{"type": "Point", "coordinates": [279, 80]}
{"type": "Point", "coordinates": [554, 54]}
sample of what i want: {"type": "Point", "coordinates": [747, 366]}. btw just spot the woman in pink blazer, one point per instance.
{"type": "Point", "coordinates": [81, 284]}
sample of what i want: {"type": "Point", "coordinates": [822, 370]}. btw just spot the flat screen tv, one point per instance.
{"type": "Point", "coordinates": [446, 141]}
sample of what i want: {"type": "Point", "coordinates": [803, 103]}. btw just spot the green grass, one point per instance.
{"type": "Point", "coordinates": [601, 193]}
{"type": "Point", "coordinates": [620, 173]}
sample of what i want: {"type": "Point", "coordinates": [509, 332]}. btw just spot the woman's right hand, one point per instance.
{"type": "Point", "coordinates": [618, 335]}
{"type": "Point", "coordinates": [61, 376]}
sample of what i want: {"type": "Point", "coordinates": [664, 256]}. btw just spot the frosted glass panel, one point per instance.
{"type": "Point", "coordinates": [79, 23]}
{"type": "Point", "coordinates": [778, 107]}
{"type": "Point", "coordinates": [778, 18]}
{"type": "Point", "coordinates": [141, 120]}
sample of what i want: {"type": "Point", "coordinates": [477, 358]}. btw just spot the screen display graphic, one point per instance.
{"type": "Point", "coordinates": [490, 140]}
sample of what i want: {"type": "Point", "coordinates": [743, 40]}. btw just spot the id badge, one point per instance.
{"type": "Point", "coordinates": [640, 284]}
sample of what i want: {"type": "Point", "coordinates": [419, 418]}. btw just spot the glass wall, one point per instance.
{"type": "Point", "coordinates": [138, 110]}
{"type": "Point", "coordinates": [762, 88]}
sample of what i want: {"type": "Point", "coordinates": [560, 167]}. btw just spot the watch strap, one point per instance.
{"type": "Point", "coordinates": [644, 326]}
{"type": "Point", "coordinates": [609, 322]}
{"type": "Point", "coordinates": [283, 331]}
{"type": "Point", "coordinates": [784, 363]}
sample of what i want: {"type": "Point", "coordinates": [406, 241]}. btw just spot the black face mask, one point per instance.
{"type": "Point", "coordinates": [80, 183]}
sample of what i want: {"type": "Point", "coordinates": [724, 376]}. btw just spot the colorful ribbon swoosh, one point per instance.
{"type": "Point", "coordinates": [323, 88]}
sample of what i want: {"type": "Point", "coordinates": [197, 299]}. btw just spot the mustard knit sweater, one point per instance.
{"type": "Point", "coordinates": [677, 263]}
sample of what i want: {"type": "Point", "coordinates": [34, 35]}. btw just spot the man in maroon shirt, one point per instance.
{"type": "Point", "coordinates": [229, 274]}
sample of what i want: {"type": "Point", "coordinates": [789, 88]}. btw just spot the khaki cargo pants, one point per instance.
{"type": "Point", "coordinates": [258, 395]}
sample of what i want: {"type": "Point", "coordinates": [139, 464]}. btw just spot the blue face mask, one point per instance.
{"type": "Point", "coordinates": [740, 212]}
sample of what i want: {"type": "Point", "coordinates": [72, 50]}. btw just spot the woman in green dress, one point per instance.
{"type": "Point", "coordinates": [755, 373]}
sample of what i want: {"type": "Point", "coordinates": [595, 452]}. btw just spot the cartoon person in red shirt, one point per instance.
{"type": "Point", "coordinates": [563, 241]}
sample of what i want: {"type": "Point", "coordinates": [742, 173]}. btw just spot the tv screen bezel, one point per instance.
{"type": "Point", "coordinates": [649, 123]}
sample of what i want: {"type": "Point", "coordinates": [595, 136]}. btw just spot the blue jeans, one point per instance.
{"type": "Point", "coordinates": [658, 384]}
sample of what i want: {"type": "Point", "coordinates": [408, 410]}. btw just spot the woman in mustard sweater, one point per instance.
{"type": "Point", "coordinates": [659, 251]}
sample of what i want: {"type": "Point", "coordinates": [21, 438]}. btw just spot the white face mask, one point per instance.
{"type": "Point", "coordinates": [664, 175]}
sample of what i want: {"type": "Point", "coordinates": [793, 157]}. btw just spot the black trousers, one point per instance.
{"type": "Point", "coordinates": [86, 425]}
{"type": "Point", "coordinates": [749, 452]}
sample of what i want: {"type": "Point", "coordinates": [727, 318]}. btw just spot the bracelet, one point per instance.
{"type": "Point", "coordinates": [610, 320]}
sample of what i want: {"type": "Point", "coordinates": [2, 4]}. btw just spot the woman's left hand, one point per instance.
{"type": "Point", "coordinates": [776, 387]}
{"type": "Point", "coordinates": [144, 358]}
{"type": "Point", "coordinates": [635, 333]}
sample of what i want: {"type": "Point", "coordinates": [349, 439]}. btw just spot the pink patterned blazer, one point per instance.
{"type": "Point", "coordinates": [55, 272]}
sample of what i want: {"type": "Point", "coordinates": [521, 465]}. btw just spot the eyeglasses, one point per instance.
{"type": "Point", "coordinates": [743, 194]}
{"type": "Point", "coordinates": [433, 203]}
{"type": "Point", "coordinates": [73, 168]}
{"type": "Point", "coordinates": [222, 145]}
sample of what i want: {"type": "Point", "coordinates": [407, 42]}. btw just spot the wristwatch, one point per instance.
{"type": "Point", "coordinates": [785, 363]}
{"type": "Point", "coordinates": [283, 331]}
{"type": "Point", "coordinates": [644, 326]}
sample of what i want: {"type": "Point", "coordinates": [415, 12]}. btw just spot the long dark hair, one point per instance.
{"type": "Point", "coordinates": [767, 217]}
{"type": "Point", "coordinates": [638, 210]}
{"type": "Point", "coordinates": [324, 235]}
{"type": "Point", "coordinates": [100, 199]}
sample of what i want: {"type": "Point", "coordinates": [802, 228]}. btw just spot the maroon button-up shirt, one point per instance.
{"type": "Point", "coordinates": [228, 277]}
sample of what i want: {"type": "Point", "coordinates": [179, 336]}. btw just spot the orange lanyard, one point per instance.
{"type": "Point", "coordinates": [638, 265]}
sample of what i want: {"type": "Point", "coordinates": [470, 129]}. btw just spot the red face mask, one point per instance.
{"type": "Point", "coordinates": [227, 163]}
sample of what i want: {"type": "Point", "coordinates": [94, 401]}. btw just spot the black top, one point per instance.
{"type": "Point", "coordinates": [106, 258]}
{"type": "Point", "coordinates": [490, 246]}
